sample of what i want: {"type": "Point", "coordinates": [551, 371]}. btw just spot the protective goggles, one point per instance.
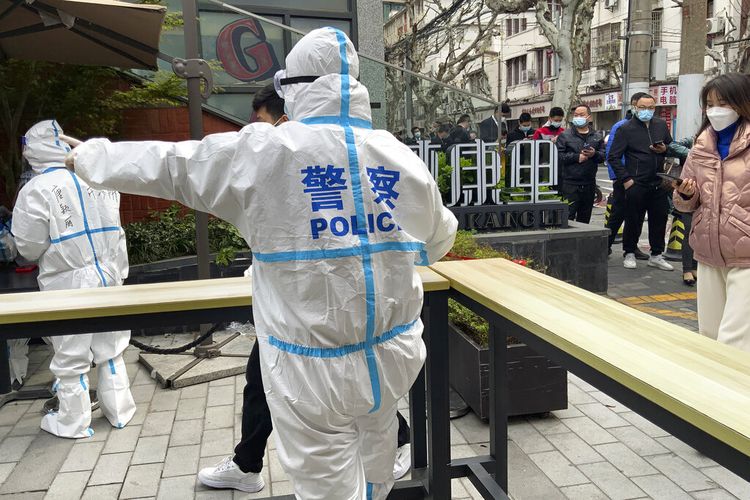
{"type": "Point", "coordinates": [280, 80]}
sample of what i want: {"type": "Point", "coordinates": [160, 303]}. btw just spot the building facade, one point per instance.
{"type": "Point", "coordinates": [521, 68]}
{"type": "Point", "coordinates": [463, 40]}
{"type": "Point", "coordinates": [245, 54]}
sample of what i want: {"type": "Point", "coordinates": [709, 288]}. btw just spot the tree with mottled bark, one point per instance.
{"type": "Point", "coordinates": [447, 39]}
{"type": "Point", "coordinates": [567, 27]}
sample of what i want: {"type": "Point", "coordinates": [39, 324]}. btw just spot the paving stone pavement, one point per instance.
{"type": "Point", "coordinates": [595, 449]}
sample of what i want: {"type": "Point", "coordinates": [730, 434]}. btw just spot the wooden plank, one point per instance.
{"type": "Point", "coordinates": [149, 298]}
{"type": "Point", "coordinates": [700, 380]}
{"type": "Point", "coordinates": [432, 281]}
{"type": "Point", "coordinates": [124, 300]}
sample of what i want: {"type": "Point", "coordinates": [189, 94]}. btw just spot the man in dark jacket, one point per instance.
{"type": "Point", "coordinates": [643, 142]}
{"type": "Point", "coordinates": [460, 133]}
{"type": "Point", "coordinates": [441, 137]}
{"type": "Point", "coordinates": [524, 129]}
{"type": "Point", "coordinates": [580, 151]}
{"type": "Point", "coordinates": [490, 128]}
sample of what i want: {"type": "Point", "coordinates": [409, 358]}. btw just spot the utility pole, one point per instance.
{"type": "Point", "coordinates": [692, 49]}
{"type": "Point", "coordinates": [639, 48]}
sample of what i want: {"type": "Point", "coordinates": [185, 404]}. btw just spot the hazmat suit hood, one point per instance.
{"type": "Point", "coordinates": [43, 147]}
{"type": "Point", "coordinates": [320, 54]}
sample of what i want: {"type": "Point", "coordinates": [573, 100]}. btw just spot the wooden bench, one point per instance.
{"type": "Point", "coordinates": [37, 314]}
{"type": "Point", "coordinates": [693, 387]}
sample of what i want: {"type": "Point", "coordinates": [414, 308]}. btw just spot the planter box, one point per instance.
{"type": "Point", "coordinates": [576, 255]}
{"type": "Point", "coordinates": [536, 385]}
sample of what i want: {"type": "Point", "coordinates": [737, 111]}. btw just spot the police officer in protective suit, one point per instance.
{"type": "Point", "coordinates": [338, 215]}
{"type": "Point", "coordinates": [74, 232]}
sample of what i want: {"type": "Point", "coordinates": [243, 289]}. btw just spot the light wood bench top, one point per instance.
{"type": "Point", "coordinates": [142, 299]}
{"type": "Point", "coordinates": [701, 381]}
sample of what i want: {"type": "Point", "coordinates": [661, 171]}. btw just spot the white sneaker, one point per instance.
{"type": "Point", "coordinates": [226, 474]}
{"type": "Point", "coordinates": [403, 462]}
{"type": "Point", "coordinates": [660, 262]}
{"type": "Point", "coordinates": [629, 262]}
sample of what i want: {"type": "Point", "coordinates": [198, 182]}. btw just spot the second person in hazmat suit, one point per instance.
{"type": "Point", "coordinates": [338, 215]}
{"type": "Point", "coordinates": [74, 233]}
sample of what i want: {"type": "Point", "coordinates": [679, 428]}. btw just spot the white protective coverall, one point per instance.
{"type": "Point", "coordinates": [337, 215]}
{"type": "Point", "coordinates": [74, 232]}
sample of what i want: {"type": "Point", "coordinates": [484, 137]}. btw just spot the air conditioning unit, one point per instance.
{"type": "Point", "coordinates": [602, 75]}
{"type": "Point", "coordinates": [715, 25]}
{"type": "Point", "coordinates": [610, 4]}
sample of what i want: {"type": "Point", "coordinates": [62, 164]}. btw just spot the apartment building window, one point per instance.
{"type": "Point", "coordinates": [605, 43]}
{"type": "Point", "coordinates": [656, 26]}
{"type": "Point", "coordinates": [477, 82]}
{"type": "Point", "coordinates": [545, 64]}
{"type": "Point", "coordinates": [555, 11]}
{"type": "Point", "coordinates": [516, 71]}
{"type": "Point", "coordinates": [514, 26]}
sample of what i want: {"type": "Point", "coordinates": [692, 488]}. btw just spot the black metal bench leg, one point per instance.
{"type": "Point", "coordinates": [418, 422]}
{"type": "Point", "coordinates": [438, 407]}
{"type": "Point", "coordinates": [499, 404]}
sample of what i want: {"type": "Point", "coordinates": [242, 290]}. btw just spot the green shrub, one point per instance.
{"type": "Point", "coordinates": [466, 246]}
{"type": "Point", "coordinates": [170, 234]}
{"type": "Point", "coordinates": [445, 170]}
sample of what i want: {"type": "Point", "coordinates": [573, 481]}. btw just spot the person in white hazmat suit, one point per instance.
{"type": "Point", "coordinates": [74, 233]}
{"type": "Point", "coordinates": [337, 215]}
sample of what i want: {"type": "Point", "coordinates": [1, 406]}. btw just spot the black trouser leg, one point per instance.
{"type": "Point", "coordinates": [404, 433]}
{"type": "Point", "coordinates": [635, 209]}
{"type": "Point", "coordinates": [571, 196]}
{"type": "Point", "coordinates": [658, 212]}
{"type": "Point", "coordinates": [586, 196]}
{"type": "Point", "coordinates": [256, 419]}
{"type": "Point", "coordinates": [617, 212]}
{"type": "Point", "coordinates": [688, 262]}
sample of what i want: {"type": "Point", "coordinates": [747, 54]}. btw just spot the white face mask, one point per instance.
{"type": "Point", "coordinates": [721, 117]}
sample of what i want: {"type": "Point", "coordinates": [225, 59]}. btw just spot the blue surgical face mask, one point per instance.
{"type": "Point", "coordinates": [645, 115]}
{"type": "Point", "coordinates": [523, 128]}
{"type": "Point", "coordinates": [555, 124]}
{"type": "Point", "coordinates": [579, 121]}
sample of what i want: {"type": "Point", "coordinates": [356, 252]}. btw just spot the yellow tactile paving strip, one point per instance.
{"type": "Point", "coordinates": [642, 303]}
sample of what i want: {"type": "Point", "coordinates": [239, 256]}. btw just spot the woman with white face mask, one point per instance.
{"type": "Point", "coordinates": [716, 186]}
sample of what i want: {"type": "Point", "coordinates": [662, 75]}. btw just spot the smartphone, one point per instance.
{"type": "Point", "coordinates": [670, 177]}
{"type": "Point", "coordinates": [658, 143]}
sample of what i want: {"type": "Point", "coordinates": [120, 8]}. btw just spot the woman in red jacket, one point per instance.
{"type": "Point", "coordinates": [716, 186]}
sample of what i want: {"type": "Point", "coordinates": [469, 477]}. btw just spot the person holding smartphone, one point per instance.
{"type": "Point", "coordinates": [715, 183]}
{"type": "Point", "coordinates": [636, 156]}
{"type": "Point", "coordinates": [580, 150]}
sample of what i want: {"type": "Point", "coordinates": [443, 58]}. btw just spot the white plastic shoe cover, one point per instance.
{"type": "Point", "coordinates": [113, 391]}
{"type": "Point", "coordinates": [74, 417]}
